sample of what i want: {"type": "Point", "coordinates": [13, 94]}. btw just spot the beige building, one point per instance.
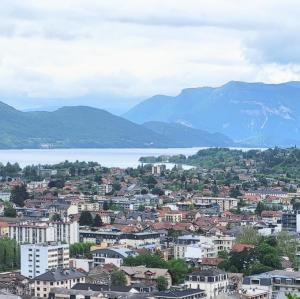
{"type": "Point", "coordinates": [65, 278]}
{"type": "Point", "coordinates": [144, 274]}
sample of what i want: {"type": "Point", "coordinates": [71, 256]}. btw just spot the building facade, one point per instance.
{"type": "Point", "coordinates": [37, 259]}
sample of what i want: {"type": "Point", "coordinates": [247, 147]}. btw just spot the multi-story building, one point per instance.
{"type": "Point", "coordinates": [212, 281]}
{"type": "Point", "coordinates": [43, 232]}
{"type": "Point", "coordinates": [88, 206]}
{"type": "Point", "coordinates": [173, 216]}
{"type": "Point", "coordinates": [194, 247]}
{"type": "Point", "coordinates": [291, 221]}
{"type": "Point", "coordinates": [104, 189]}
{"type": "Point", "coordinates": [111, 255]}
{"type": "Point", "coordinates": [225, 203]}
{"type": "Point", "coordinates": [144, 274]}
{"type": "Point", "coordinates": [276, 283]}
{"type": "Point", "coordinates": [223, 242]}
{"type": "Point", "coordinates": [124, 239]}
{"type": "Point", "coordinates": [37, 259]}
{"type": "Point", "coordinates": [63, 278]}
{"type": "Point", "coordinates": [158, 169]}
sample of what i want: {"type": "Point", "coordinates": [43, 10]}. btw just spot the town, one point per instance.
{"type": "Point", "coordinates": [161, 231]}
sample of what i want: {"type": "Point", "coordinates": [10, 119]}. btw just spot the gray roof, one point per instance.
{"type": "Point", "coordinates": [178, 293]}
{"type": "Point", "coordinates": [60, 274]}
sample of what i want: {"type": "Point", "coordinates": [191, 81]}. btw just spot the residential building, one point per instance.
{"type": "Point", "coordinates": [104, 189]}
{"type": "Point", "coordinates": [277, 283]}
{"type": "Point", "coordinates": [144, 274]}
{"type": "Point", "coordinates": [63, 278]}
{"type": "Point", "coordinates": [37, 259]}
{"type": "Point", "coordinates": [158, 169]}
{"type": "Point", "coordinates": [34, 232]}
{"type": "Point", "coordinates": [291, 221]}
{"type": "Point", "coordinates": [194, 247]}
{"type": "Point", "coordinates": [212, 281]}
{"type": "Point", "coordinates": [225, 203]}
{"type": "Point", "coordinates": [111, 255]}
{"type": "Point", "coordinates": [125, 239]}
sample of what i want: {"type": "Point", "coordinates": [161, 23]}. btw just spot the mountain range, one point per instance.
{"type": "Point", "coordinates": [254, 114]}
{"type": "Point", "coordinates": [86, 127]}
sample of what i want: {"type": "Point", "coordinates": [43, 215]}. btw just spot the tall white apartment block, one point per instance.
{"type": "Point", "coordinates": [37, 259]}
{"type": "Point", "coordinates": [43, 232]}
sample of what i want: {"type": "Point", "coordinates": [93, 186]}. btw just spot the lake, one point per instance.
{"type": "Point", "coordinates": [127, 157]}
{"type": "Point", "coordinates": [106, 157]}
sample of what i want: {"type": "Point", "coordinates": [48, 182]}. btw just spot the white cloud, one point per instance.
{"type": "Point", "coordinates": [55, 48]}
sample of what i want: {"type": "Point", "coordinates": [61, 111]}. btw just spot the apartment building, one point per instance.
{"type": "Point", "coordinates": [37, 259]}
{"type": "Point", "coordinates": [63, 278]}
{"type": "Point", "coordinates": [194, 247]}
{"type": "Point", "coordinates": [104, 189]}
{"type": "Point", "coordinates": [124, 239]}
{"type": "Point", "coordinates": [213, 281]}
{"type": "Point", "coordinates": [276, 283]}
{"type": "Point", "coordinates": [42, 232]}
{"type": "Point", "coordinates": [111, 255]}
{"type": "Point", "coordinates": [225, 203]}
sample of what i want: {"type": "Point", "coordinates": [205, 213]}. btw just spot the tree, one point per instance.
{"type": "Point", "coordinates": [9, 254]}
{"type": "Point", "coordinates": [86, 218]}
{"type": "Point", "coordinates": [292, 296]}
{"type": "Point", "coordinates": [97, 222]}
{"type": "Point", "coordinates": [248, 236]}
{"type": "Point", "coordinates": [287, 246]}
{"type": "Point", "coordinates": [19, 195]}
{"type": "Point", "coordinates": [9, 211]}
{"type": "Point", "coordinates": [80, 249]}
{"type": "Point", "coordinates": [56, 217]}
{"type": "Point", "coordinates": [118, 278]}
{"type": "Point", "coordinates": [259, 208]}
{"type": "Point", "coordinates": [178, 270]}
{"type": "Point", "coordinates": [162, 283]}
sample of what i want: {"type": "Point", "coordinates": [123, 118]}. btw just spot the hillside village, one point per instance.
{"type": "Point", "coordinates": [80, 230]}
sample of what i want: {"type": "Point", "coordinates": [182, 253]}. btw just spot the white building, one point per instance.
{"type": "Point", "coordinates": [43, 232]}
{"type": "Point", "coordinates": [111, 255]}
{"type": "Point", "coordinates": [277, 283]}
{"type": "Point", "coordinates": [212, 281]}
{"type": "Point", "coordinates": [37, 259]}
{"type": "Point", "coordinates": [104, 189]}
{"type": "Point", "coordinates": [194, 247]}
{"type": "Point", "coordinates": [225, 203]}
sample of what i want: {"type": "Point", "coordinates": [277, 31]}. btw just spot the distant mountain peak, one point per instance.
{"type": "Point", "coordinates": [261, 113]}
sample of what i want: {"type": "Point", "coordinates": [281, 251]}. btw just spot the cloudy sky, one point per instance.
{"type": "Point", "coordinates": [113, 53]}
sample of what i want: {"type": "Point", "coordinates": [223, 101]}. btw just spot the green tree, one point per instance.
{"type": "Point", "coordinates": [248, 236]}
{"type": "Point", "coordinates": [287, 246]}
{"type": "Point", "coordinates": [19, 195]}
{"type": "Point", "coordinates": [9, 211]}
{"type": "Point", "coordinates": [162, 283]}
{"type": "Point", "coordinates": [9, 254]}
{"type": "Point", "coordinates": [178, 270]}
{"type": "Point", "coordinates": [292, 296]}
{"type": "Point", "coordinates": [118, 278]}
{"type": "Point", "coordinates": [82, 249]}
{"type": "Point", "coordinates": [86, 218]}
